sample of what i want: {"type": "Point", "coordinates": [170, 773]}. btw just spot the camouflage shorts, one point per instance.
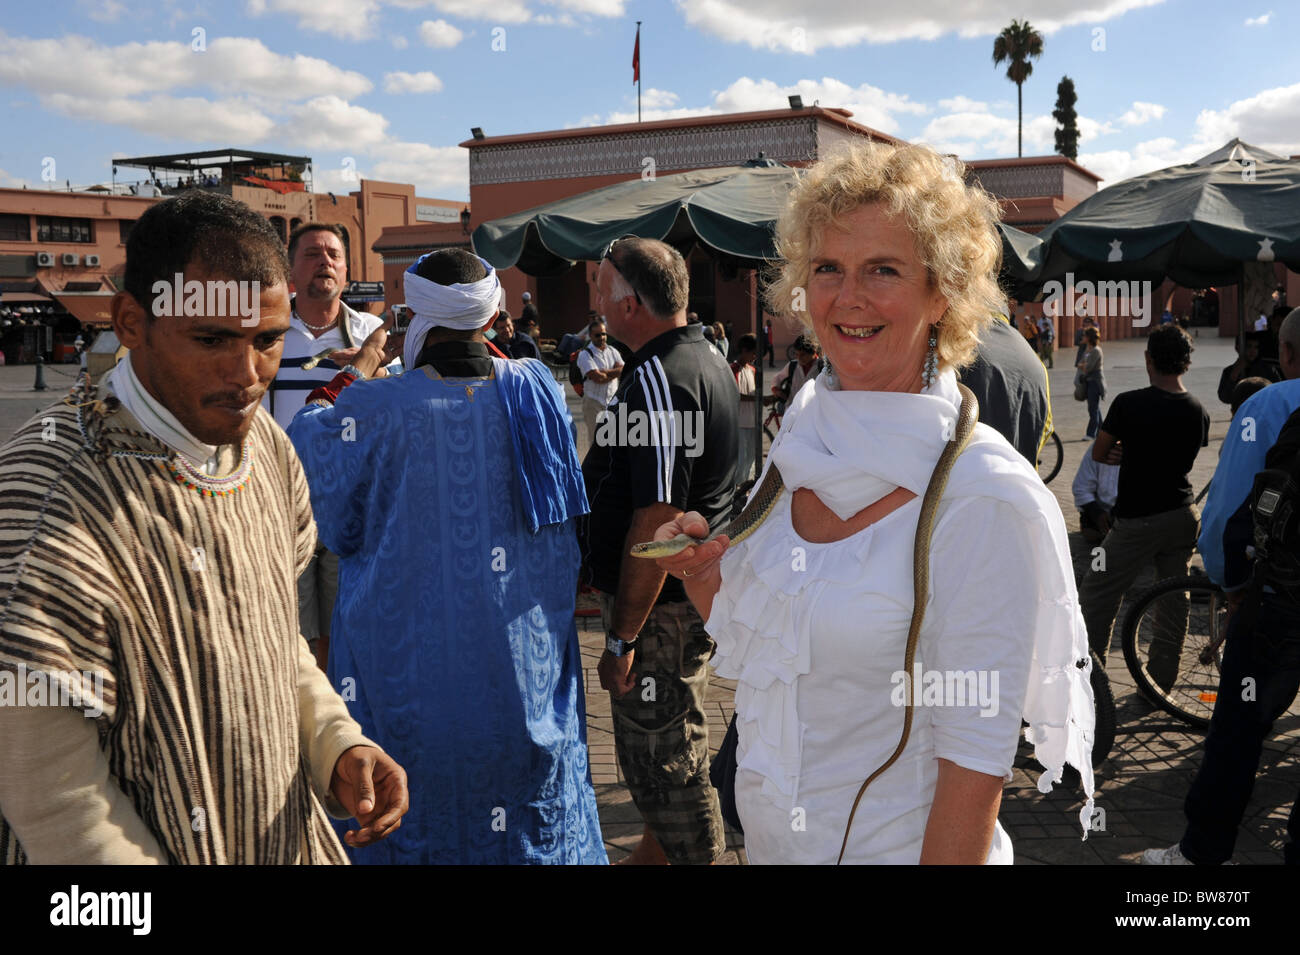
{"type": "Point", "coordinates": [662, 737]}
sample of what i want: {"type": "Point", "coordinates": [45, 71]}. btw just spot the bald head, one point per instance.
{"type": "Point", "coordinates": [655, 271]}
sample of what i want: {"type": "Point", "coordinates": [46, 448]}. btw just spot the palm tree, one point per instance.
{"type": "Point", "coordinates": [1017, 44]}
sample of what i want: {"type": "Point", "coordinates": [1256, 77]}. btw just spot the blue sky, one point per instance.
{"type": "Point", "coordinates": [393, 85]}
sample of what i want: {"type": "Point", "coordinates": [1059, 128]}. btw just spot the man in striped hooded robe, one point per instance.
{"type": "Point", "coordinates": [157, 703]}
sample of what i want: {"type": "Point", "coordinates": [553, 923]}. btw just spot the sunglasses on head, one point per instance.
{"type": "Point", "coordinates": [609, 254]}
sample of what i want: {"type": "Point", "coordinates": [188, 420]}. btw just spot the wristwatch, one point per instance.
{"type": "Point", "coordinates": [352, 370]}
{"type": "Point", "coordinates": [619, 647]}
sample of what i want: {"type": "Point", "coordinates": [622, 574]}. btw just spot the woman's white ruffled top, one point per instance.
{"type": "Point", "coordinates": [814, 634]}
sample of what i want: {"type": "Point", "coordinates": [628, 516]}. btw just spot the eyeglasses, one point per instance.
{"type": "Point", "coordinates": [609, 254]}
{"type": "Point", "coordinates": [599, 334]}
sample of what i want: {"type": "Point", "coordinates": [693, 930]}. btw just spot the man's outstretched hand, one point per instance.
{"type": "Point", "coordinates": [371, 786]}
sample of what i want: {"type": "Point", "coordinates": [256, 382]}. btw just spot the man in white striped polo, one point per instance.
{"type": "Point", "coordinates": [321, 320]}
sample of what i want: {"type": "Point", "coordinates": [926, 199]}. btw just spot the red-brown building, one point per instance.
{"type": "Point", "coordinates": [62, 254]}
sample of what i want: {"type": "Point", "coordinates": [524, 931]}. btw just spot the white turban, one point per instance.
{"type": "Point", "coordinates": [464, 306]}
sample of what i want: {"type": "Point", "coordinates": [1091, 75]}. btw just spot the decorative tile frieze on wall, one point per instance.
{"type": "Point", "coordinates": [691, 147]}
{"type": "Point", "coordinates": [1015, 182]}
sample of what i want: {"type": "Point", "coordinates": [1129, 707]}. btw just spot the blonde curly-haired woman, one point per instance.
{"type": "Point", "coordinates": [890, 259]}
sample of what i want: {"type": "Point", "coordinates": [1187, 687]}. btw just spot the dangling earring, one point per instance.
{"type": "Point", "coordinates": [930, 370]}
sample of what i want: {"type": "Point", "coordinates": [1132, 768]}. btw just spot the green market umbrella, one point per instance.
{"type": "Point", "coordinates": [730, 211]}
{"type": "Point", "coordinates": [1197, 224]}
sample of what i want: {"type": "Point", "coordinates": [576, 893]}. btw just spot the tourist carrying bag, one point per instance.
{"type": "Point", "coordinates": [575, 373]}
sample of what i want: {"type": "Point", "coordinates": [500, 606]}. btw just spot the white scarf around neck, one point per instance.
{"type": "Point", "coordinates": [854, 447]}
{"type": "Point", "coordinates": [157, 420]}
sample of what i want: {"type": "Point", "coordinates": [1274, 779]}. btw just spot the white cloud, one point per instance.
{"type": "Point", "coordinates": [598, 8]}
{"type": "Point", "coordinates": [494, 11]}
{"type": "Point", "coordinates": [10, 181]}
{"type": "Point", "coordinates": [348, 19]}
{"type": "Point", "coordinates": [815, 24]}
{"type": "Point", "coordinates": [647, 115]}
{"type": "Point", "coordinates": [176, 118]}
{"type": "Point", "coordinates": [960, 104]}
{"type": "Point", "coordinates": [1270, 119]}
{"type": "Point", "coordinates": [1090, 129]}
{"type": "Point", "coordinates": [1142, 113]}
{"type": "Point", "coordinates": [236, 65]}
{"type": "Point", "coordinates": [292, 103]}
{"type": "Point", "coordinates": [869, 104]}
{"type": "Point", "coordinates": [399, 42]}
{"type": "Point", "coordinates": [658, 99]}
{"type": "Point", "coordinates": [440, 34]}
{"type": "Point", "coordinates": [105, 11]}
{"type": "Point", "coordinates": [976, 133]}
{"type": "Point", "coordinates": [327, 121]}
{"type": "Point", "coordinates": [440, 172]}
{"type": "Point", "coordinates": [403, 82]}
{"type": "Point", "coordinates": [337, 179]}
{"type": "Point", "coordinates": [1260, 20]}
{"type": "Point", "coordinates": [1115, 165]}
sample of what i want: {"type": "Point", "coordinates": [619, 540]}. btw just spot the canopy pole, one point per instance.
{"type": "Point", "coordinates": [758, 378]}
{"type": "Point", "coordinates": [1241, 308]}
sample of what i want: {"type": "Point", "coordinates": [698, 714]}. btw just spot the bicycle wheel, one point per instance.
{"type": "Point", "coordinates": [1103, 698]}
{"type": "Point", "coordinates": [1050, 458]}
{"type": "Point", "coordinates": [1173, 645]}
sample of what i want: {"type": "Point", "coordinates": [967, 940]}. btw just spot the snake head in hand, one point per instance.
{"type": "Point", "coordinates": [682, 548]}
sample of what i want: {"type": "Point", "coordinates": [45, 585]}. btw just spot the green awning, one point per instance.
{"type": "Point", "coordinates": [1196, 224]}
{"type": "Point", "coordinates": [729, 211]}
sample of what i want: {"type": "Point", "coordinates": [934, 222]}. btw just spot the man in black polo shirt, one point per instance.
{"type": "Point", "coordinates": [667, 444]}
{"type": "Point", "coordinates": [1160, 429]}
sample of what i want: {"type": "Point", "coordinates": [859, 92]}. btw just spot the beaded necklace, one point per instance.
{"type": "Point", "coordinates": [173, 462]}
{"type": "Point", "coordinates": [207, 486]}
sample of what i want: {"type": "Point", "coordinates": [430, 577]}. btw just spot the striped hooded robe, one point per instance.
{"type": "Point", "coordinates": [214, 723]}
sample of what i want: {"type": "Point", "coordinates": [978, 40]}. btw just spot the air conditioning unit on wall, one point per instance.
{"type": "Point", "coordinates": [92, 261]}
{"type": "Point", "coordinates": [44, 260]}
{"type": "Point", "coordinates": [71, 258]}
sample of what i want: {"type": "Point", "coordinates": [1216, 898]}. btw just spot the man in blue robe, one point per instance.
{"type": "Point", "coordinates": [453, 634]}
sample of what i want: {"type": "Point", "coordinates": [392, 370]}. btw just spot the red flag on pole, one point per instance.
{"type": "Point", "coordinates": [636, 58]}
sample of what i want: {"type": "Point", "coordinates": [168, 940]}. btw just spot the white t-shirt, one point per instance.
{"type": "Point", "coordinates": [1095, 481]}
{"type": "Point", "coordinates": [745, 382]}
{"type": "Point", "coordinates": [593, 358]}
